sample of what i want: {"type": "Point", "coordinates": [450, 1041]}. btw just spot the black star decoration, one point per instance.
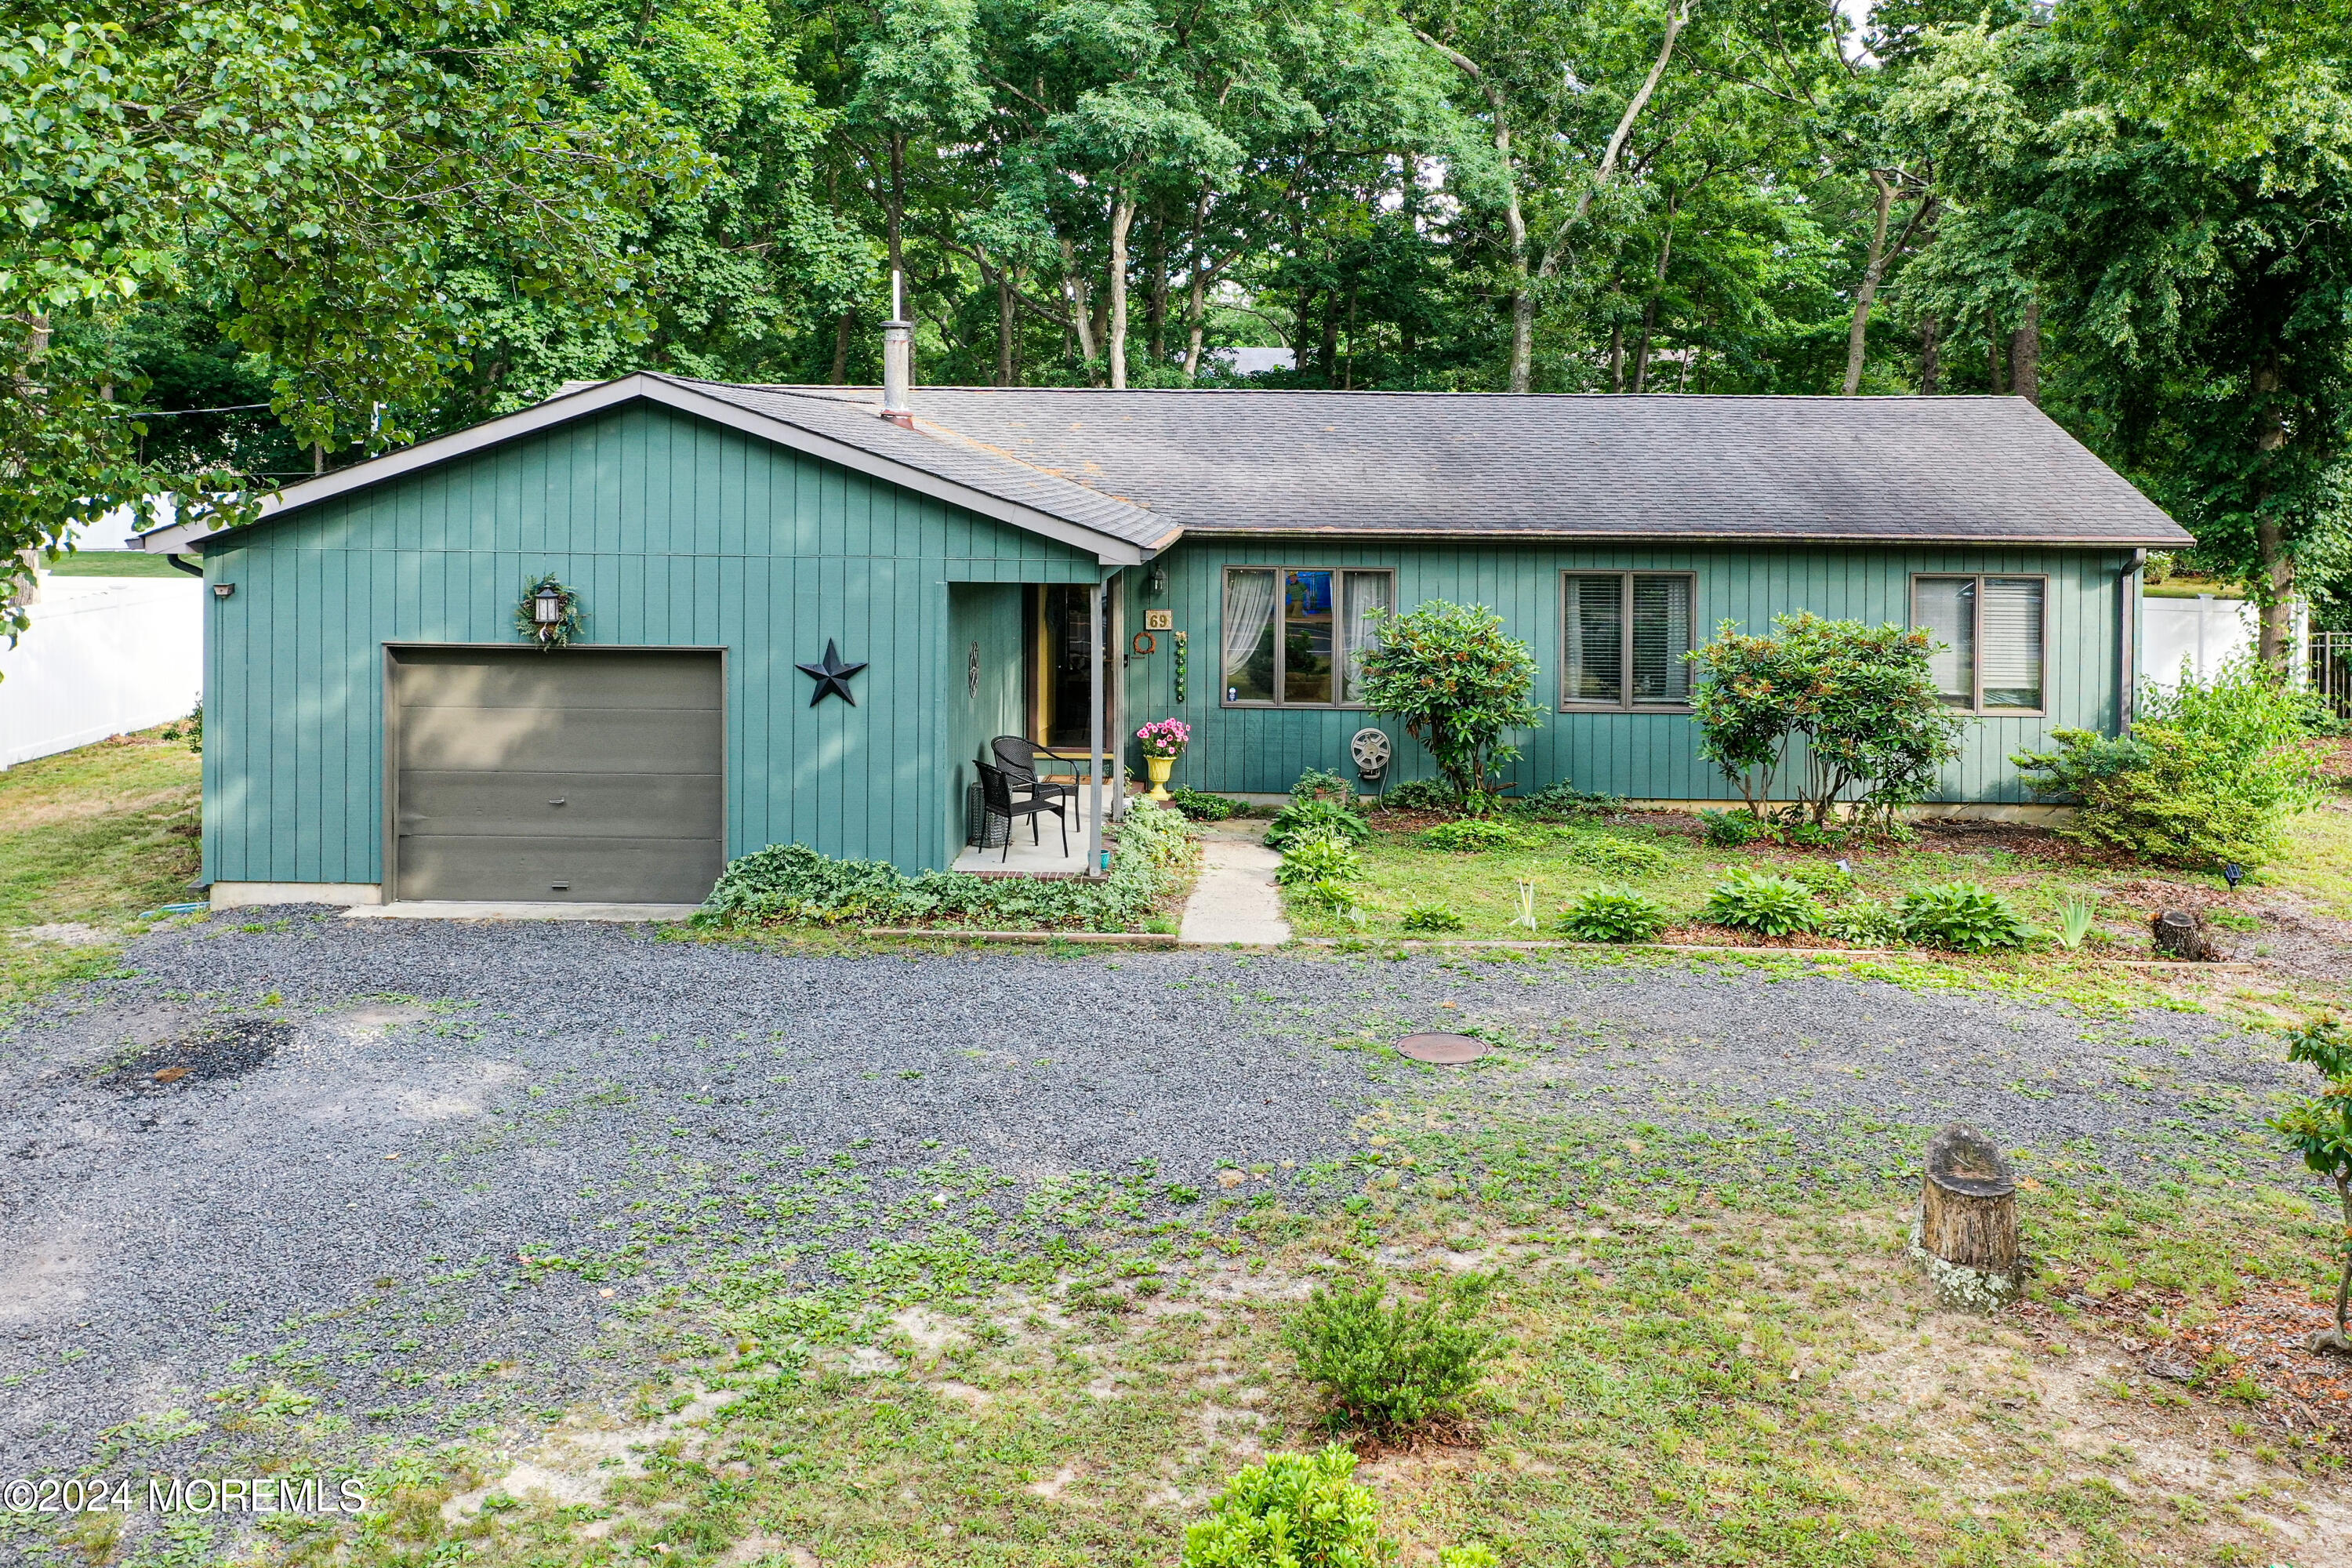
{"type": "Point", "coordinates": [832, 676]}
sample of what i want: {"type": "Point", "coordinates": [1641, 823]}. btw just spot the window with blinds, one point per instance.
{"type": "Point", "coordinates": [1625, 637]}
{"type": "Point", "coordinates": [1989, 636]}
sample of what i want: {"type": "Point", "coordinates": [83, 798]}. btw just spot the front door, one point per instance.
{"type": "Point", "coordinates": [1060, 652]}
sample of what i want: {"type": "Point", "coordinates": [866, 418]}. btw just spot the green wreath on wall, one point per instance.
{"type": "Point", "coordinates": [549, 614]}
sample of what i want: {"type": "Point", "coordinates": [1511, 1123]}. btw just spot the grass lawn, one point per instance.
{"type": "Point", "coordinates": [1713, 1357]}
{"type": "Point", "coordinates": [90, 839]}
{"type": "Point", "coordinates": [1716, 1352]}
{"type": "Point", "coordinates": [112, 563]}
{"type": "Point", "coordinates": [2292, 910]}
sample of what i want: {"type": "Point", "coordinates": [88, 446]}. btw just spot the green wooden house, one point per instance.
{"type": "Point", "coordinates": [383, 722]}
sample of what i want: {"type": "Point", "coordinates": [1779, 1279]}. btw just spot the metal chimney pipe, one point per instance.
{"type": "Point", "coordinates": [897, 362]}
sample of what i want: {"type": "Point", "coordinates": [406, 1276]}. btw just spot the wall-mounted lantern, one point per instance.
{"type": "Point", "coordinates": [223, 590]}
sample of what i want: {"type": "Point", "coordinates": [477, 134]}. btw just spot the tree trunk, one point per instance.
{"type": "Point", "coordinates": [1857, 338]}
{"type": "Point", "coordinates": [1156, 303]}
{"type": "Point", "coordinates": [1005, 326]}
{"type": "Point", "coordinates": [1514, 224]}
{"type": "Point", "coordinates": [2025, 352]}
{"type": "Point", "coordinates": [2276, 634]}
{"type": "Point", "coordinates": [1678, 15]}
{"type": "Point", "coordinates": [1996, 360]}
{"type": "Point", "coordinates": [1967, 1204]}
{"type": "Point", "coordinates": [1931, 358]}
{"type": "Point", "coordinates": [895, 210]}
{"type": "Point", "coordinates": [841, 349]}
{"type": "Point", "coordinates": [2340, 1337]}
{"type": "Point", "coordinates": [1650, 306]}
{"type": "Point", "coordinates": [1122, 218]}
{"type": "Point", "coordinates": [1616, 356]}
{"type": "Point", "coordinates": [1081, 316]}
{"type": "Point", "coordinates": [1196, 293]}
{"type": "Point", "coordinates": [1330, 349]}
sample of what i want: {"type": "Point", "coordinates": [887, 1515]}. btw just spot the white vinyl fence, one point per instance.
{"type": "Point", "coordinates": [105, 656]}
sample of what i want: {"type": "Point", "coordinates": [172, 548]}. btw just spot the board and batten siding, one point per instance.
{"type": "Point", "coordinates": [1640, 755]}
{"type": "Point", "coordinates": [677, 533]}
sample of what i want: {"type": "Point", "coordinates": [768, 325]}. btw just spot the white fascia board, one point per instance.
{"type": "Point", "coordinates": [1107, 550]}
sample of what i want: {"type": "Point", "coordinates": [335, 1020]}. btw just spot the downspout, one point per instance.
{"type": "Point", "coordinates": [2128, 640]}
{"type": "Point", "coordinates": [177, 565]}
{"type": "Point", "coordinates": [1095, 727]}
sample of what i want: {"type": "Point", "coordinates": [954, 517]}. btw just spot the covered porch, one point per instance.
{"type": "Point", "coordinates": [1044, 706]}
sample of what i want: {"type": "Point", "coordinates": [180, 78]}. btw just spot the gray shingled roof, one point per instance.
{"type": "Point", "coordinates": [854, 419]}
{"type": "Point", "coordinates": [1886, 469]}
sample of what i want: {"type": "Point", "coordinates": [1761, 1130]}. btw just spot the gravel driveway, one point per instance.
{"type": "Point", "coordinates": [308, 1156]}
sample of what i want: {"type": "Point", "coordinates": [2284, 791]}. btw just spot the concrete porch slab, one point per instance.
{"type": "Point", "coordinates": [493, 910]}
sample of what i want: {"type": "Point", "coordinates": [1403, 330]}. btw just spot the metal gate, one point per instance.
{"type": "Point", "coordinates": [2331, 670]}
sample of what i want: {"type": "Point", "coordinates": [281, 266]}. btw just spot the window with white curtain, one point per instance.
{"type": "Point", "coordinates": [1625, 637]}
{"type": "Point", "coordinates": [1296, 636]}
{"type": "Point", "coordinates": [1990, 636]}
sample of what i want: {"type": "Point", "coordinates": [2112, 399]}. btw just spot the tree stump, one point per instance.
{"type": "Point", "coordinates": [1968, 1205]}
{"type": "Point", "coordinates": [2183, 934]}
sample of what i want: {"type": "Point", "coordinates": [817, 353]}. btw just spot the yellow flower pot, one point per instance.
{"type": "Point", "coordinates": [1159, 768]}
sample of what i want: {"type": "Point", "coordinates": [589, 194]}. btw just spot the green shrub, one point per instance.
{"type": "Point", "coordinates": [1830, 881]}
{"type": "Point", "coordinates": [1609, 852]}
{"type": "Point", "coordinates": [2208, 776]}
{"type": "Point", "coordinates": [1202, 807]}
{"type": "Point", "coordinates": [1766, 904]}
{"type": "Point", "coordinates": [1316, 816]}
{"type": "Point", "coordinates": [1610, 914]}
{"type": "Point", "coordinates": [1731, 829]}
{"type": "Point", "coordinates": [1964, 917]}
{"type": "Point", "coordinates": [1865, 922]}
{"type": "Point", "coordinates": [1385, 1366]}
{"type": "Point", "coordinates": [1432, 917]}
{"type": "Point", "coordinates": [1291, 1510]}
{"type": "Point", "coordinates": [1460, 683]}
{"type": "Point", "coordinates": [1473, 835]}
{"type": "Point", "coordinates": [1422, 794]}
{"type": "Point", "coordinates": [793, 882]}
{"type": "Point", "coordinates": [1857, 702]}
{"type": "Point", "coordinates": [1302, 1510]}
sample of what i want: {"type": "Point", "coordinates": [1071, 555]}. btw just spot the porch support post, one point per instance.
{"type": "Point", "coordinates": [1115, 671]}
{"type": "Point", "coordinates": [1095, 729]}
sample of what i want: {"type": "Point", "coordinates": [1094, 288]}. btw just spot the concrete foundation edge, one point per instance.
{"type": "Point", "coordinates": [247, 895]}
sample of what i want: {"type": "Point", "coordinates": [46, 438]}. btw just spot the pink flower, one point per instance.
{"type": "Point", "coordinates": [1165, 737]}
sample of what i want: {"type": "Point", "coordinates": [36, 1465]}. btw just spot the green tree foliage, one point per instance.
{"type": "Point", "coordinates": [1856, 703]}
{"type": "Point", "coordinates": [305, 170]}
{"type": "Point", "coordinates": [2208, 776]}
{"type": "Point", "coordinates": [1460, 684]}
{"type": "Point", "coordinates": [2319, 1128]}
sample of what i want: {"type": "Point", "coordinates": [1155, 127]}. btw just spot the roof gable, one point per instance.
{"type": "Point", "coordinates": [988, 484]}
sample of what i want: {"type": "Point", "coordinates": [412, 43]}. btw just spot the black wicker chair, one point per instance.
{"type": "Point", "coordinates": [999, 801]}
{"type": "Point", "coordinates": [1017, 757]}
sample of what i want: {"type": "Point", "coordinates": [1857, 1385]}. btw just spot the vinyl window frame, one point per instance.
{"type": "Point", "coordinates": [1338, 650]}
{"type": "Point", "coordinates": [1977, 708]}
{"type": "Point", "coordinates": [1625, 703]}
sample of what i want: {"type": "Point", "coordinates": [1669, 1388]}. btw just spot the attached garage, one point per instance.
{"type": "Point", "coordinates": [592, 776]}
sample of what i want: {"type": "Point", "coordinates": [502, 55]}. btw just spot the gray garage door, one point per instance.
{"type": "Point", "coordinates": [571, 775]}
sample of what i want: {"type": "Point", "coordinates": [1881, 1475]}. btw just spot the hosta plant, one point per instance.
{"type": "Point", "coordinates": [1865, 922]}
{"type": "Point", "coordinates": [1316, 817]}
{"type": "Point", "coordinates": [1964, 917]}
{"type": "Point", "coordinates": [1761, 902]}
{"type": "Point", "coordinates": [1612, 914]}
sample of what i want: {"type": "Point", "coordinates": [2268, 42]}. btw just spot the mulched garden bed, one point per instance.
{"type": "Point", "coordinates": [2308, 1392]}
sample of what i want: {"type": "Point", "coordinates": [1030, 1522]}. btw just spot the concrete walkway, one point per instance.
{"type": "Point", "coordinates": [1234, 903]}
